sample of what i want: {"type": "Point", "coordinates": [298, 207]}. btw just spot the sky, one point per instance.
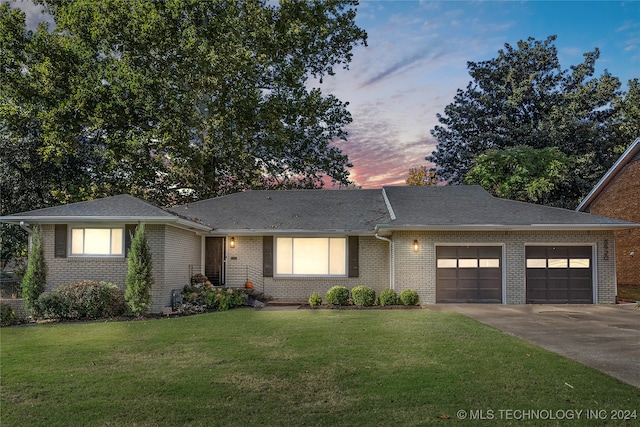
{"type": "Point", "coordinates": [417, 57]}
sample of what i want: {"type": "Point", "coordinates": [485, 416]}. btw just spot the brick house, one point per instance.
{"type": "Point", "coordinates": [450, 244]}
{"type": "Point", "coordinates": [617, 195]}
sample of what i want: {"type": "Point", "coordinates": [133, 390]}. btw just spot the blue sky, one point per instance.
{"type": "Point", "coordinates": [417, 57]}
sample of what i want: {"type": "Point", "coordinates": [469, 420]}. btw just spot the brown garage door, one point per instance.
{"type": "Point", "coordinates": [469, 274]}
{"type": "Point", "coordinates": [559, 274]}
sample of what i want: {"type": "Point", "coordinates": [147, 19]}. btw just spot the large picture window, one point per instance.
{"type": "Point", "coordinates": [311, 256]}
{"type": "Point", "coordinates": [97, 241]}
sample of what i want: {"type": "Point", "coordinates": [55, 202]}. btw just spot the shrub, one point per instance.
{"type": "Point", "coordinates": [139, 277]}
{"type": "Point", "coordinates": [199, 279]}
{"type": "Point", "coordinates": [223, 298]}
{"type": "Point", "coordinates": [337, 295]}
{"type": "Point", "coordinates": [80, 301]}
{"type": "Point", "coordinates": [35, 278]}
{"type": "Point", "coordinates": [7, 315]}
{"type": "Point", "coordinates": [409, 297]}
{"type": "Point", "coordinates": [388, 297]}
{"type": "Point", "coordinates": [363, 296]}
{"type": "Point", "coordinates": [315, 300]}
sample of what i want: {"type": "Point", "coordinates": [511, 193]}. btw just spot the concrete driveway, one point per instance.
{"type": "Point", "coordinates": [605, 337]}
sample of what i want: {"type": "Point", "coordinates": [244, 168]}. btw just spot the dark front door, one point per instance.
{"type": "Point", "coordinates": [559, 275]}
{"type": "Point", "coordinates": [214, 259]}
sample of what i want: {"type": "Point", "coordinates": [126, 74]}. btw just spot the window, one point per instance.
{"type": "Point", "coordinates": [97, 241]}
{"type": "Point", "coordinates": [311, 256]}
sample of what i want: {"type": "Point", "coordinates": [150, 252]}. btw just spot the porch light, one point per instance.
{"type": "Point", "coordinates": [232, 242]}
{"type": "Point", "coordinates": [415, 246]}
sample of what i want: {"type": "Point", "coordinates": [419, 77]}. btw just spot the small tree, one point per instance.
{"type": "Point", "coordinates": [35, 278]}
{"type": "Point", "coordinates": [139, 277]}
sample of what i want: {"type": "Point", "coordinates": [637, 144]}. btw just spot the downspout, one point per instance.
{"type": "Point", "coordinates": [392, 284]}
{"type": "Point", "coordinates": [26, 228]}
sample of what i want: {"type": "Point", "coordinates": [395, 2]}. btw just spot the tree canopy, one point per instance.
{"type": "Point", "coordinates": [524, 97]}
{"type": "Point", "coordinates": [171, 101]}
{"type": "Point", "coordinates": [421, 176]}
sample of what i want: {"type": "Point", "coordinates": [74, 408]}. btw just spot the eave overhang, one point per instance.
{"type": "Point", "coordinates": [177, 222]}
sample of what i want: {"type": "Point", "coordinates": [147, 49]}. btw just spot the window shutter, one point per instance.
{"type": "Point", "coordinates": [354, 257]}
{"type": "Point", "coordinates": [60, 241]}
{"type": "Point", "coordinates": [129, 231]}
{"type": "Point", "coordinates": [267, 256]}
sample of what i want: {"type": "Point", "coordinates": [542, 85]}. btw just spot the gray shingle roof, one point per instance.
{"type": "Point", "coordinates": [123, 205]}
{"type": "Point", "coordinates": [354, 211]}
{"type": "Point", "coordinates": [471, 206]}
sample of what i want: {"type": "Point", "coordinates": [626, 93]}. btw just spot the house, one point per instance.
{"type": "Point", "coordinates": [450, 244]}
{"type": "Point", "coordinates": [617, 195]}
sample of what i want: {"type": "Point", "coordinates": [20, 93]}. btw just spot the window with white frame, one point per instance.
{"type": "Point", "coordinates": [311, 256]}
{"type": "Point", "coordinates": [97, 241]}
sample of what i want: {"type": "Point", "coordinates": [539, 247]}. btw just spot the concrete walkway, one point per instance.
{"type": "Point", "coordinates": [605, 337]}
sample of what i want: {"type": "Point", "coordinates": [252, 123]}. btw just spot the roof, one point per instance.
{"type": "Point", "coordinates": [471, 207]}
{"type": "Point", "coordinates": [625, 158]}
{"type": "Point", "coordinates": [121, 208]}
{"type": "Point", "coordinates": [361, 212]}
{"type": "Point", "coordinates": [278, 211]}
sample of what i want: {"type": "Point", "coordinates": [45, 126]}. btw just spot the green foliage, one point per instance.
{"type": "Point", "coordinates": [139, 275]}
{"type": "Point", "coordinates": [363, 296]}
{"type": "Point", "coordinates": [201, 297]}
{"type": "Point", "coordinates": [520, 173]}
{"type": "Point", "coordinates": [524, 97]}
{"type": "Point", "coordinates": [35, 278]}
{"type": "Point", "coordinates": [172, 101]}
{"type": "Point", "coordinates": [388, 297]}
{"type": "Point", "coordinates": [337, 295]}
{"type": "Point", "coordinates": [7, 315]}
{"type": "Point", "coordinates": [315, 300]}
{"type": "Point", "coordinates": [409, 297]}
{"type": "Point", "coordinates": [81, 300]}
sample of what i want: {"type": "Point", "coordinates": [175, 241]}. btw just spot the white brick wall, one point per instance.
{"type": "Point", "coordinates": [373, 266]}
{"type": "Point", "coordinates": [417, 270]}
{"type": "Point", "coordinates": [173, 249]}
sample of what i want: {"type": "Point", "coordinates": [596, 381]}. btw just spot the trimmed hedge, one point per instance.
{"type": "Point", "coordinates": [337, 295]}
{"type": "Point", "coordinates": [81, 300]}
{"type": "Point", "coordinates": [388, 297]}
{"type": "Point", "coordinates": [363, 296]}
{"type": "Point", "coordinates": [409, 297]}
{"type": "Point", "coordinates": [7, 315]}
{"type": "Point", "coordinates": [315, 300]}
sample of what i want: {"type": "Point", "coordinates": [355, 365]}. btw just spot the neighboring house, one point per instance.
{"type": "Point", "coordinates": [617, 195]}
{"type": "Point", "coordinates": [450, 244]}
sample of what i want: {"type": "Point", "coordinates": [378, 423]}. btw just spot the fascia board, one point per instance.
{"type": "Point", "coordinates": [104, 219]}
{"type": "Point", "coordinates": [611, 173]}
{"type": "Point", "coordinates": [278, 231]}
{"type": "Point", "coordinates": [497, 227]}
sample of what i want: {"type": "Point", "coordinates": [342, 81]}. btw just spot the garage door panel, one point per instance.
{"type": "Point", "coordinates": [558, 279]}
{"type": "Point", "coordinates": [470, 281]}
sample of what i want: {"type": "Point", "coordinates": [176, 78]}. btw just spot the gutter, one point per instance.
{"type": "Point", "coordinates": [392, 277]}
{"type": "Point", "coordinates": [29, 231]}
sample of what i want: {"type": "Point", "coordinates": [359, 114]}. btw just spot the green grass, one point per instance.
{"type": "Point", "coordinates": [304, 367]}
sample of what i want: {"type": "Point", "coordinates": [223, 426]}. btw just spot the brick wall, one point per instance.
{"type": "Point", "coordinates": [416, 270]}
{"type": "Point", "coordinates": [61, 271]}
{"type": "Point", "coordinates": [621, 200]}
{"type": "Point", "coordinates": [373, 266]}
{"type": "Point", "coordinates": [173, 249]}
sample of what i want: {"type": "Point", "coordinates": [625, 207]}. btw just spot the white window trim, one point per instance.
{"type": "Point", "coordinates": [346, 257]}
{"type": "Point", "coordinates": [71, 227]}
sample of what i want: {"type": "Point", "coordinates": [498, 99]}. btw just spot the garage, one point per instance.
{"type": "Point", "coordinates": [559, 274]}
{"type": "Point", "coordinates": [469, 274]}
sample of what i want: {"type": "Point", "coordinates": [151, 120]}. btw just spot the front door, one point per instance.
{"type": "Point", "coordinates": [214, 259]}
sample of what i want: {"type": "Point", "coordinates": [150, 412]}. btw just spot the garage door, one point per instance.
{"type": "Point", "coordinates": [559, 274]}
{"type": "Point", "coordinates": [469, 274]}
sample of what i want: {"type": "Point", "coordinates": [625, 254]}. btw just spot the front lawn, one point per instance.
{"type": "Point", "coordinates": [304, 367]}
